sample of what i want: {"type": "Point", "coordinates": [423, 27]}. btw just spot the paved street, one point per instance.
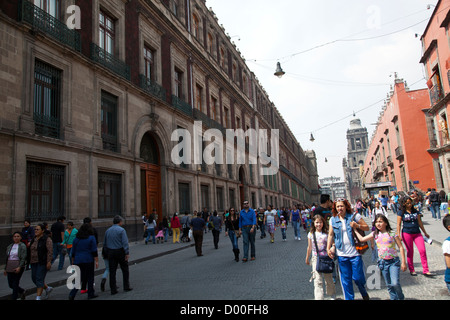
{"type": "Point", "coordinates": [278, 273]}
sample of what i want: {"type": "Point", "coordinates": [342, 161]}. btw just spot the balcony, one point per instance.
{"type": "Point", "coordinates": [389, 161]}
{"type": "Point", "coordinates": [181, 105]}
{"type": "Point", "coordinates": [110, 61]}
{"type": "Point", "coordinates": [436, 95]}
{"type": "Point", "coordinates": [399, 153]}
{"type": "Point", "coordinates": [198, 115]}
{"type": "Point", "coordinates": [46, 23]}
{"type": "Point", "coordinates": [47, 125]}
{"type": "Point", "coordinates": [152, 87]}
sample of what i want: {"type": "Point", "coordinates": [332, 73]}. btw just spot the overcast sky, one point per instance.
{"type": "Point", "coordinates": [339, 58]}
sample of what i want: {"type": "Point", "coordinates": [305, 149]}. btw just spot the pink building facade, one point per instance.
{"type": "Point", "coordinates": [436, 62]}
{"type": "Point", "coordinates": [397, 157]}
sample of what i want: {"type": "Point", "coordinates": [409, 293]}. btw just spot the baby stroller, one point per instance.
{"type": "Point", "coordinates": [185, 236]}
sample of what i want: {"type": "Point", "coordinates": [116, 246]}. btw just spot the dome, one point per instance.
{"type": "Point", "coordinates": [355, 124]}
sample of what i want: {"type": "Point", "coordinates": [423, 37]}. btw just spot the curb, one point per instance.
{"type": "Point", "coordinates": [97, 272]}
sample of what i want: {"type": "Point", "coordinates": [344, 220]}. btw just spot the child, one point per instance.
{"type": "Point", "coordinates": [389, 262]}
{"type": "Point", "coordinates": [446, 251]}
{"type": "Point", "coordinates": [283, 227]}
{"type": "Point", "coordinates": [160, 235]}
{"type": "Point", "coordinates": [320, 229]}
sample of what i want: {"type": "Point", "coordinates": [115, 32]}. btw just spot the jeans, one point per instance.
{"type": "Point", "coordinates": [262, 226]}
{"type": "Point", "coordinates": [150, 232]}
{"type": "Point", "coordinates": [234, 240]}
{"type": "Point", "coordinates": [444, 208]}
{"type": "Point", "coordinates": [13, 282]}
{"type": "Point", "coordinates": [216, 234]}
{"type": "Point", "coordinates": [38, 273]}
{"type": "Point", "coordinates": [352, 268]}
{"type": "Point", "coordinates": [198, 240]}
{"type": "Point", "coordinates": [296, 225]}
{"type": "Point", "coordinates": [435, 210]}
{"type": "Point", "coordinates": [283, 233]}
{"type": "Point", "coordinates": [57, 251]}
{"type": "Point", "coordinates": [248, 239]}
{"type": "Point", "coordinates": [390, 269]}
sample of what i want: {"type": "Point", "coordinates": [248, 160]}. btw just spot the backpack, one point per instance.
{"type": "Point", "coordinates": [434, 196]}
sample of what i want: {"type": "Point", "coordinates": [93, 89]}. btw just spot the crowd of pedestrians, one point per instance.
{"type": "Point", "coordinates": [337, 237]}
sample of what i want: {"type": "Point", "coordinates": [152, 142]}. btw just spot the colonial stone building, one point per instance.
{"type": "Point", "coordinates": [87, 115]}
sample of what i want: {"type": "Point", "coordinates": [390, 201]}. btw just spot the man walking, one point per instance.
{"type": "Point", "coordinates": [117, 248]}
{"type": "Point", "coordinates": [57, 230]}
{"type": "Point", "coordinates": [197, 226]}
{"type": "Point", "coordinates": [247, 227]}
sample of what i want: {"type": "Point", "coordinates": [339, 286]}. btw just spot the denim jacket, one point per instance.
{"type": "Point", "coordinates": [337, 229]}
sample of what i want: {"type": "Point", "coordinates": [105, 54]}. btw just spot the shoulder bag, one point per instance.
{"type": "Point", "coordinates": [361, 247]}
{"type": "Point", "coordinates": [324, 263]}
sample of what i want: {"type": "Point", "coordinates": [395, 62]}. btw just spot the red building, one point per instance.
{"type": "Point", "coordinates": [436, 61]}
{"type": "Point", "coordinates": [398, 148]}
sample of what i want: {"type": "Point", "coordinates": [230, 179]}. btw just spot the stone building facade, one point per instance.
{"type": "Point", "coordinates": [87, 115]}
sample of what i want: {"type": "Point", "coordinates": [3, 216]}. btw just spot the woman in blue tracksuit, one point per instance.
{"type": "Point", "coordinates": [342, 244]}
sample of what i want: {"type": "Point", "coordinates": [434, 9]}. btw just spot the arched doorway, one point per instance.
{"type": "Point", "coordinates": [151, 195]}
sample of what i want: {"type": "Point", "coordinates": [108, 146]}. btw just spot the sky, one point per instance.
{"type": "Point", "coordinates": [339, 57]}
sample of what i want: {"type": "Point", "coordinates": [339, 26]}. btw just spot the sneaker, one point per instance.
{"type": "Point", "coordinates": [38, 297]}
{"type": "Point", "coordinates": [48, 291]}
{"type": "Point", "coordinates": [83, 291]}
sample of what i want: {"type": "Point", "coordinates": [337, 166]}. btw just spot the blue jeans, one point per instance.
{"type": "Point", "coordinates": [38, 273]}
{"type": "Point", "coordinates": [283, 233]}
{"type": "Point", "coordinates": [435, 210]}
{"type": "Point", "coordinates": [150, 232]}
{"type": "Point", "coordinates": [234, 240]}
{"type": "Point", "coordinates": [248, 239]}
{"type": "Point", "coordinates": [390, 269]}
{"type": "Point", "coordinates": [296, 225]}
{"type": "Point", "coordinates": [57, 251]}
{"type": "Point", "coordinates": [352, 268]}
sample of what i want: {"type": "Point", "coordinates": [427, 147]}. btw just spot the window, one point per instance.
{"type": "Point", "coordinates": [222, 58]}
{"type": "Point", "coordinates": [178, 90]}
{"type": "Point", "coordinates": [198, 97]}
{"type": "Point", "coordinates": [184, 197]}
{"type": "Point", "coordinates": [149, 64]}
{"type": "Point", "coordinates": [214, 113]}
{"type": "Point", "coordinates": [52, 7]}
{"type": "Point", "coordinates": [210, 43]}
{"type": "Point", "coordinates": [47, 99]}
{"type": "Point", "coordinates": [109, 121]}
{"type": "Point", "coordinates": [174, 7]}
{"type": "Point", "coordinates": [195, 26]}
{"type": "Point", "coordinates": [109, 194]}
{"type": "Point", "coordinates": [204, 196]}
{"type": "Point", "coordinates": [106, 33]}
{"type": "Point", "coordinates": [219, 196]}
{"type": "Point", "coordinates": [226, 115]}
{"type": "Point", "coordinates": [45, 187]}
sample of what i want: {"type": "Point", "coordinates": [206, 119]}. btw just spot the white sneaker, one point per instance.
{"type": "Point", "coordinates": [48, 291]}
{"type": "Point", "coordinates": [38, 297]}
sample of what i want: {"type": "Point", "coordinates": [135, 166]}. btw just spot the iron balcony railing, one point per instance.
{"type": "Point", "coordinates": [181, 105]}
{"type": "Point", "coordinates": [436, 95]}
{"type": "Point", "coordinates": [47, 125]}
{"type": "Point", "coordinates": [152, 87]}
{"type": "Point", "coordinates": [110, 61]}
{"type": "Point", "coordinates": [46, 23]}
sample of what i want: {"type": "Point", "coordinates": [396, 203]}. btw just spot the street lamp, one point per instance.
{"type": "Point", "coordinates": [279, 72]}
{"type": "Point", "coordinates": [312, 138]}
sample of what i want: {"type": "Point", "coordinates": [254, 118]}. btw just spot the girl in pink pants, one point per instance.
{"type": "Point", "coordinates": [412, 225]}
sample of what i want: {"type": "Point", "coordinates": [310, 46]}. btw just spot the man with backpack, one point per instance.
{"type": "Point", "coordinates": [434, 204]}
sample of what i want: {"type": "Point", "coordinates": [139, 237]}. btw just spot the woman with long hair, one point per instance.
{"type": "Point", "coordinates": [232, 231]}
{"type": "Point", "coordinates": [342, 243]}
{"type": "Point", "coordinates": [411, 220]}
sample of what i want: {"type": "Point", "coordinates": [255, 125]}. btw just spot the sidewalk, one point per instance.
{"type": "Point", "coordinates": [139, 252]}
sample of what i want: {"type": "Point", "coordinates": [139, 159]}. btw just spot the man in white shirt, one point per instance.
{"type": "Point", "coordinates": [269, 220]}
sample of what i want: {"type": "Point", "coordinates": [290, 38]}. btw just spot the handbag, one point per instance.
{"type": "Point", "coordinates": [324, 263]}
{"type": "Point", "coordinates": [361, 247]}
{"type": "Point", "coordinates": [236, 234]}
